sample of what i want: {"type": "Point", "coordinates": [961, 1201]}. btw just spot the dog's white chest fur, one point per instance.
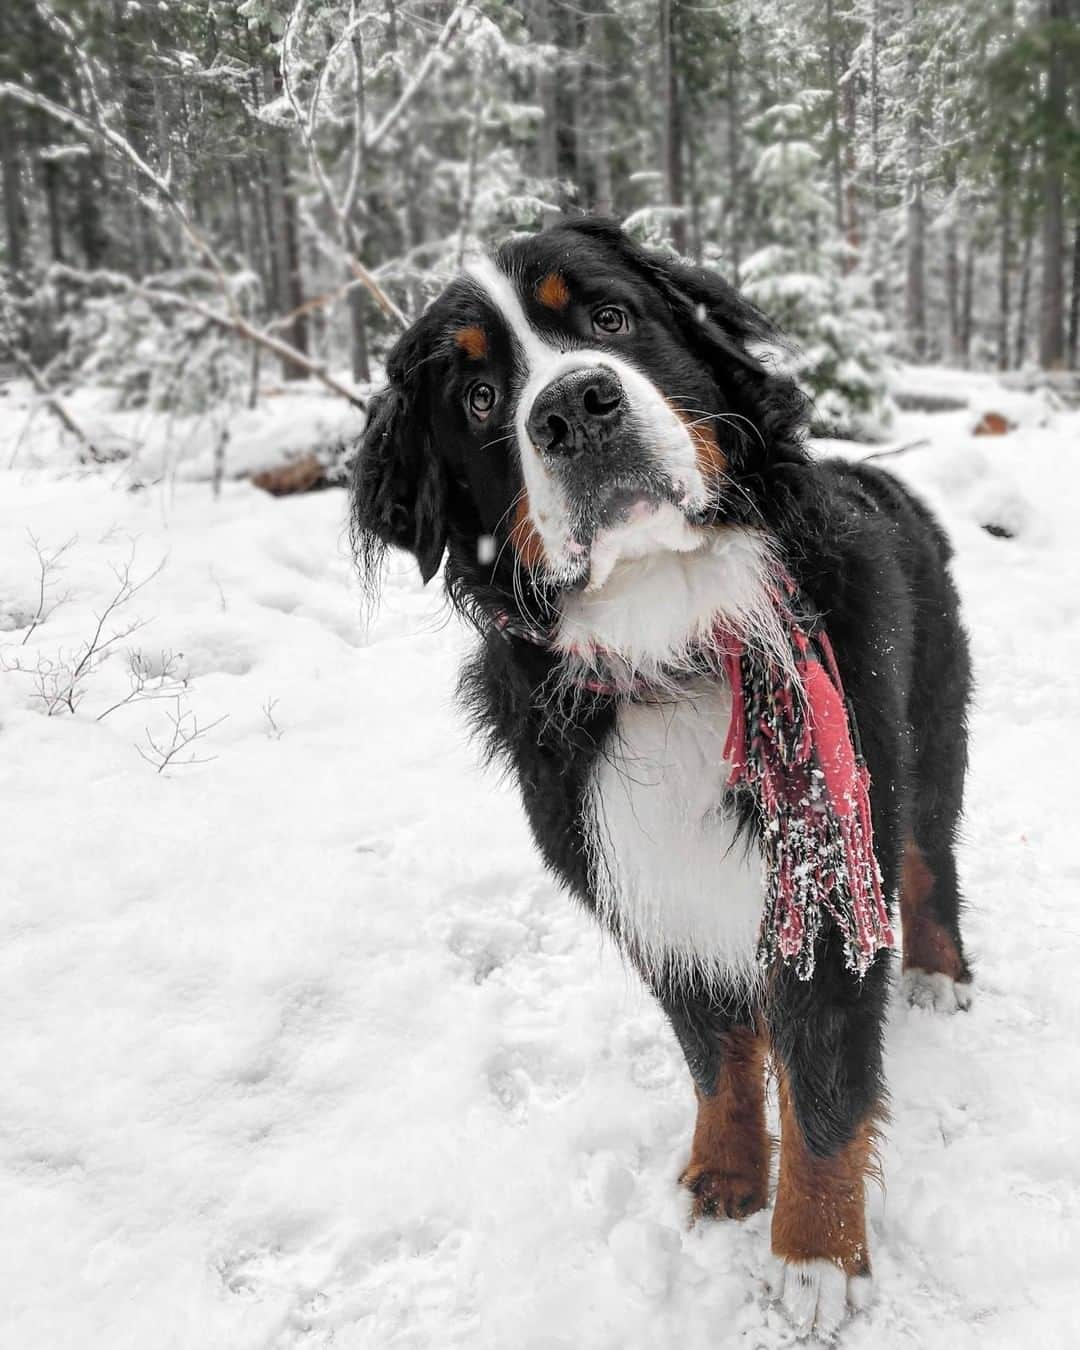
{"type": "Point", "coordinates": [673, 883]}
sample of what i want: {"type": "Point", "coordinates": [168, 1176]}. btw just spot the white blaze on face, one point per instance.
{"type": "Point", "coordinates": [654, 422]}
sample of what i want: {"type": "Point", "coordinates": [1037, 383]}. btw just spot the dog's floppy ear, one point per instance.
{"type": "Point", "coordinates": [398, 486]}
{"type": "Point", "coordinates": [724, 317]}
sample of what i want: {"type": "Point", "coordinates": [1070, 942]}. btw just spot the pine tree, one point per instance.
{"type": "Point", "coordinates": [797, 277]}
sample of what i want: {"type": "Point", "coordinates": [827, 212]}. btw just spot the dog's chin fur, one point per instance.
{"type": "Point", "coordinates": [664, 588]}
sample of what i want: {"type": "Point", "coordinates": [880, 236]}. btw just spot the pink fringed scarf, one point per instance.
{"type": "Point", "coordinates": [791, 743]}
{"type": "Point", "coordinates": [793, 746]}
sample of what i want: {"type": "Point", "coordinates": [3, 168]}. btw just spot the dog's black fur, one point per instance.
{"type": "Point", "coordinates": [866, 555]}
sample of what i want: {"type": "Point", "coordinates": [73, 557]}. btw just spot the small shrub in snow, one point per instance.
{"type": "Point", "coordinates": [60, 680]}
{"type": "Point", "coordinates": [48, 599]}
{"type": "Point", "coordinates": [176, 752]}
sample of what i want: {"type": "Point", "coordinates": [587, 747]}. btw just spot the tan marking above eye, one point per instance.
{"type": "Point", "coordinates": [472, 341]}
{"type": "Point", "coordinates": [553, 291]}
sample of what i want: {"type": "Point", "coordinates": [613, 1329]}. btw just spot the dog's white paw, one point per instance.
{"type": "Point", "coordinates": [816, 1295]}
{"type": "Point", "coordinates": [938, 992]}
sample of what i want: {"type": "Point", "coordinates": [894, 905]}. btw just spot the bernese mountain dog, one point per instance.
{"type": "Point", "coordinates": [595, 439]}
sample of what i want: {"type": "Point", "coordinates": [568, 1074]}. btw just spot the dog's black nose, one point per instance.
{"type": "Point", "coordinates": [578, 412]}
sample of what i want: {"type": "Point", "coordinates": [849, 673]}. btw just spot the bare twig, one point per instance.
{"type": "Point", "coordinates": [185, 732]}
{"type": "Point", "coordinates": [274, 732]}
{"type": "Point", "coordinates": [221, 593]}
{"type": "Point", "coordinates": [48, 563]}
{"type": "Point", "coordinates": [221, 443]}
{"type": "Point", "coordinates": [309, 306]}
{"type": "Point", "coordinates": [146, 684]}
{"type": "Point", "coordinates": [96, 648]}
{"type": "Point", "coordinates": [896, 450]}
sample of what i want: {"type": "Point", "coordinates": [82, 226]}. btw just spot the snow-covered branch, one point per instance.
{"type": "Point", "coordinates": [379, 133]}
{"type": "Point", "coordinates": [307, 123]}
{"type": "Point", "coordinates": [233, 322]}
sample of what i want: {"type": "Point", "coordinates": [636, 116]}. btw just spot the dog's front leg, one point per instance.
{"type": "Point", "coordinates": [728, 1172]}
{"type": "Point", "coordinates": [826, 1039]}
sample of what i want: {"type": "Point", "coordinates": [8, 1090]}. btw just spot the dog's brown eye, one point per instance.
{"type": "Point", "coordinates": [610, 319]}
{"type": "Point", "coordinates": [481, 400]}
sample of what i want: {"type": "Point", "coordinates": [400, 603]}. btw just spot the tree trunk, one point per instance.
{"type": "Point", "coordinates": [91, 199]}
{"type": "Point", "coordinates": [13, 205]}
{"type": "Point", "coordinates": [952, 296]}
{"type": "Point", "coordinates": [694, 195]}
{"type": "Point", "coordinates": [162, 122]}
{"type": "Point", "coordinates": [915, 252]}
{"type": "Point", "coordinates": [851, 191]}
{"type": "Point", "coordinates": [284, 232]}
{"type": "Point", "coordinates": [45, 134]}
{"type": "Point", "coordinates": [130, 91]}
{"type": "Point", "coordinates": [877, 281]}
{"type": "Point", "coordinates": [834, 117]}
{"type": "Point", "coordinates": [672, 138]}
{"type": "Point", "coordinates": [1074, 301]}
{"type": "Point", "coordinates": [472, 154]}
{"type": "Point", "coordinates": [1052, 277]}
{"type": "Point", "coordinates": [547, 141]}
{"type": "Point", "coordinates": [597, 49]}
{"type": "Point", "coordinates": [580, 120]}
{"type": "Point", "coordinates": [298, 330]}
{"type": "Point", "coordinates": [354, 237]}
{"type": "Point", "coordinates": [734, 163]}
{"type": "Point", "coordinates": [1004, 263]}
{"type": "Point", "coordinates": [1022, 303]}
{"type": "Point", "coordinates": [50, 179]}
{"type": "Point", "coordinates": [967, 304]}
{"type": "Point", "coordinates": [412, 216]}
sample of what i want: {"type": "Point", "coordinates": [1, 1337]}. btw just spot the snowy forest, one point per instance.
{"type": "Point", "coordinates": [196, 195]}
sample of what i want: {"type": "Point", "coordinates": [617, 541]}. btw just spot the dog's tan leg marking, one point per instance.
{"type": "Point", "coordinates": [728, 1172]}
{"type": "Point", "coordinates": [820, 1212]}
{"type": "Point", "coordinates": [927, 946]}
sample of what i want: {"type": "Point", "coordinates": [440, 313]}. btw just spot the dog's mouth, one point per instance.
{"type": "Point", "coordinates": [627, 520]}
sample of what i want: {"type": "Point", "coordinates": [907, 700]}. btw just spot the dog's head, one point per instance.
{"type": "Point", "coordinates": [572, 402]}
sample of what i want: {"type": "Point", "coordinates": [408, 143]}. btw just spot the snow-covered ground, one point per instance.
{"type": "Point", "coordinates": [303, 1049]}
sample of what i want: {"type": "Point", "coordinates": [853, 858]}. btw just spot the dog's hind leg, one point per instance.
{"type": "Point", "coordinates": [728, 1172]}
{"type": "Point", "coordinates": [935, 970]}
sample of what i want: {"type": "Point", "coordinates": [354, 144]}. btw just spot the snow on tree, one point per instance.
{"type": "Point", "coordinates": [797, 278]}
